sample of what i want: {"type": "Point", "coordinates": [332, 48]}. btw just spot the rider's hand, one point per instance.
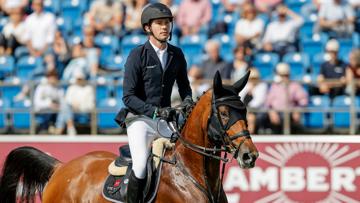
{"type": "Point", "coordinates": [166, 113]}
{"type": "Point", "coordinates": [187, 104]}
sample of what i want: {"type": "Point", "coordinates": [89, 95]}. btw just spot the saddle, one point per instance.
{"type": "Point", "coordinates": [115, 187]}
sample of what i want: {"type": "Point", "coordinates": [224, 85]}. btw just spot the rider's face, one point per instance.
{"type": "Point", "coordinates": [161, 28]}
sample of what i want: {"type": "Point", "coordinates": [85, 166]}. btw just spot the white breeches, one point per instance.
{"type": "Point", "coordinates": [141, 132]}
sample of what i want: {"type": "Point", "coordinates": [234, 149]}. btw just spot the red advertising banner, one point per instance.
{"type": "Point", "coordinates": [289, 169]}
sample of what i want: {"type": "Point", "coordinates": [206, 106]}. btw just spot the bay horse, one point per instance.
{"type": "Point", "coordinates": [215, 126]}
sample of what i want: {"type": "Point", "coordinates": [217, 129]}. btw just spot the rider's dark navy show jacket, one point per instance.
{"type": "Point", "coordinates": [147, 85]}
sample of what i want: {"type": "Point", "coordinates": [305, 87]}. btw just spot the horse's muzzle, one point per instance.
{"type": "Point", "coordinates": [248, 160]}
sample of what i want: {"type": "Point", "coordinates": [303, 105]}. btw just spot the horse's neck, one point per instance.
{"type": "Point", "coordinates": [195, 132]}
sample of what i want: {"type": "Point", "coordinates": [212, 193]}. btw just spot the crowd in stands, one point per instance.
{"type": "Point", "coordinates": [59, 59]}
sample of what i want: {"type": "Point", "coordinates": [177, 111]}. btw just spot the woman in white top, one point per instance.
{"type": "Point", "coordinates": [12, 34]}
{"type": "Point", "coordinates": [249, 27]}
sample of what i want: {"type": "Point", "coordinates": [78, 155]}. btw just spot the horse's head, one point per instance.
{"type": "Point", "coordinates": [227, 125]}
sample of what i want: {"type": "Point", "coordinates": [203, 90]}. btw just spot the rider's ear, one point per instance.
{"type": "Point", "coordinates": [240, 84]}
{"type": "Point", "coordinates": [217, 86]}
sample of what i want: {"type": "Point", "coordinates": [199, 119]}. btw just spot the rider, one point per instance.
{"type": "Point", "coordinates": [150, 72]}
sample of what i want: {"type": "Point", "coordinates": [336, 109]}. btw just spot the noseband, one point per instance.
{"type": "Point", "coordinates": [218, 132]}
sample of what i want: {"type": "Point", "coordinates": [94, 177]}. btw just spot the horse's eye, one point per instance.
{"type": "Point", "coordinates": [224, 114]}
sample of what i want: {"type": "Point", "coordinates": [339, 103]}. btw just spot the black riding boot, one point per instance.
{"type": "Point", "coordinates": [135, 189]}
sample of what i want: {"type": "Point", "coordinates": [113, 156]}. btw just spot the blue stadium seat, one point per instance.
{"type": "Point", "coordinates": [64, 25]}
{"type": "Point", "coordinates": [9, 91]}
{"type": "Point", "coordinates": [342, 119]}
{"type": "Point", "coordinates": [4, 104]}
{"type": "Point", "coordinates": [21, 51]}
{"type": "Point", "coordinates": [119, 91]}
{"type": "Point", "coordinates": [317, 119]}
{"type": "Point", "coordinates": [108, 44]}
{"type": "Point", "coordinates": [107, 111]}
{"type": "Point", "coordinates": [26, 65]}
{"type": "Point", "coordinates": [193, 45]}
{"type": "Point", "coordinates": [71, 9]}
{"type": "Point", "coordinates": [295, 5]}
{"type": "Point", "coordinates": [7, 65]}
{"type": "Point", "coordinates": [298, 63]}
{"type": "Point", "coordinates": [131, 41]}
{"type": "Point", "coordinates": [313, 44]}
{"type": "Point", "coordinates": [102, 91]}
{"type": "Point", "coordinates": [52, 6]}
{"type": "Point", "coordinates": [265, 63]}
{"type": "Point", "coordinates": [307, 29]}
{"type": "Point", "coordinates": [21, 115]}
{"type": "Point", "coordinates": [227, 43]}
{"type": "Point", "coordinates": [114, 62]}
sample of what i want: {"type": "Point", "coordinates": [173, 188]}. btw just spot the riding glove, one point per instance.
{"type": "Point", "coordinates": [166, 113]}
{"type": "Point", "coordinates": [187, 104]}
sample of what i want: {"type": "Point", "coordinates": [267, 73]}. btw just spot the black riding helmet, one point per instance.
{"type": "Point", "coordinates": [155, 11]}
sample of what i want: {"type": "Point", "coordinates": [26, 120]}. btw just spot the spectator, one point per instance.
{"type": "Point", "coordinates": [106, 16]}
{"type": "Point", "coordinates": [266, 6]}
{"type": "Point", "coordinates": [133, 15]}
{"type": "Point", "coordinates": [249, 27]}
{"type": "Point", "coordinates": [12, 33]}
{"type": "Point", "coordinates": [254, 96]}
{"type": "Point", "coordinates": [337, 18]}
{"type": "Point", "coordinates": [331, 79]}
{"type": "Point", "coordinates": [197, 82]}
{"type": "Point", "coordinates": [80, 98]}
{"type": "Point", "coordinates": [40, 29]}
{"type": "Point", "coordinates": [193, 15]}
{"type": "Point", "coordinates": [213, 62]}
{"type": "Point", "coordinates": [170, 4]}
{"type": "Point", "coordinates": [61, 52]}
{"type": "Point", "coordinates": [284, 94]}
{"type": "Point", "coordinates": [231, 6]}
{"type": "Point", "coordinates": [237, 68]}
{"type": "Point", "coordinates": [78, 63]}
{"type": "Point", "coordinates": [353, 72]}
{"type": "Point", "coordinates": [91, 51]}
{"type": "Point", "coordinates": [311, 8]}
{"type": "Point", "coordinates": [280, 34]}
{"type": "Point", "coordinates": [48, 97]}
{"type": "Point", "coordinates": [10, 5]}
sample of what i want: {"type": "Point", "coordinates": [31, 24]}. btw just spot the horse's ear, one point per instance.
{"type": "Point", "coordinates": [217, 86]}
{"type": "Point", "coordinates": [240, 84]}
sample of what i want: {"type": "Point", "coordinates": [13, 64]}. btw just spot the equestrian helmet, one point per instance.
{"type": "Point", "coordinates": [155, 11]}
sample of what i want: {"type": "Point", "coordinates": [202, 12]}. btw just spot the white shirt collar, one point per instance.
{"type": "Point", "coordinates": [157, 50]}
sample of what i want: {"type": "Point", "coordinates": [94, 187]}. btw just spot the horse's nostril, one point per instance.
{"type": "Point", "coordinates": [246, 157]}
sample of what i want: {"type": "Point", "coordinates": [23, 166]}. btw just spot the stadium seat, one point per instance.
{"type": "Point", "coordinates": [9, 91]}
{"type": "Point", "coordinates": [102, 92]}
{"type": "Point", "coordinates": [118, 91]}
{"type": "Point", "coordinates": [227, 44]}
{"type": "Point", "coordinates": [342, 119]}
{"type": "Point", "coordinates": [4, 104]}
{"type": "Point", "coordinates": [265, 63]}
{"type": "Point", "coordinates": [313, 44]}
{"type": "Point", "coordinates": [193, 45]}
{"type": "Point", "coordinates": [107, 111]}
{"type": "Point", "coordinates": [21, 115]}
{"type": "Point", "coordinates": [7, 65]}
{"type": "Point", "coordinates": [114, 62]}
{"type": "Point", "coordinates": [52, 6]}
{"type": "Point", "coordinates": [71, 9]}
{"type": "Point", "coordinates": [108, 45]}
{"type": "Point", "coordinates": [131, 41]}
{"type": "Point", "coordinates": [298, 63]}
{"type": "Point", "coordinates": [317, 119]}
{"type": "Point", "coordinates": [26, 66]}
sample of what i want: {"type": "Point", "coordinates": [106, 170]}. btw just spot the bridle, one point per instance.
{"type": "Point", "coordinates": [218, 133]}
